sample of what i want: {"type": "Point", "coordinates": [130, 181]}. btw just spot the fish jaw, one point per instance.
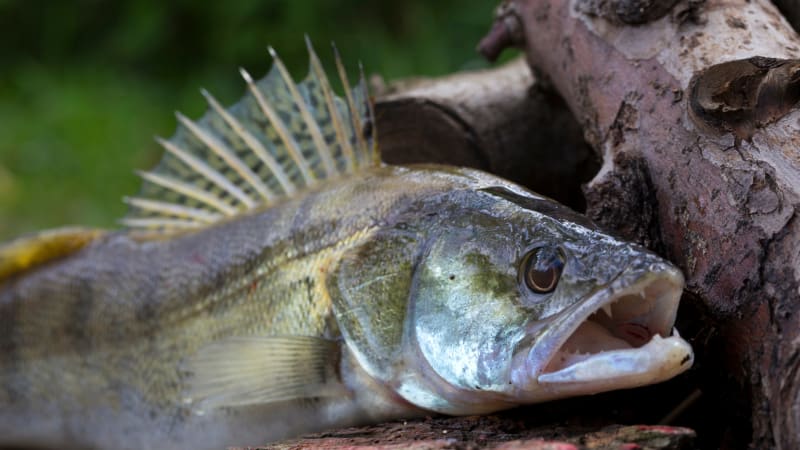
{"type": "Point", "coordinates": [619, 337]}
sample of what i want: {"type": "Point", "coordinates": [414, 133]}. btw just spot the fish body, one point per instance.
{"type": "Point", "coordinates": [103, 332]}
{"type": "Point", "coordinates": [362, 292]}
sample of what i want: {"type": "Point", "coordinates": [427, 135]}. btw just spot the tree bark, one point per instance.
{"type": "Point", "coordinates": [472, 433]}
{"type": "Point", "coordinates": [691, 107]}
{"type": "Point", "coordinates": [490, 120]}
{"type": "Point", "coordinates": [699, 142]}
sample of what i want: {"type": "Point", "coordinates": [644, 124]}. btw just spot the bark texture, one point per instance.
{"type": "Point", "coordinates": [473, 433]}
{"type": "Point", "coordinates": [490, 120]}
{"type": "Point", "coordinates": [694, 112]}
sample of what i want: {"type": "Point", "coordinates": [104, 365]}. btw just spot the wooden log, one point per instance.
{"type": "Point", "coordinates": [476, 432]}
{"type": "Point", "coordinates": [491, 120]}
{"type": "Point", "coordinates": [694, 111]}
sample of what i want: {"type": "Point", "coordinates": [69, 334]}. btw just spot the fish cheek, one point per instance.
{"type": "Point", "coordinates": [369, 291]}
{"type": "Point", "coordinates": [467, 317]}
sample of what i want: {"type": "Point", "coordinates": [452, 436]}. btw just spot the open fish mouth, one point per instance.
{"type": "Point", "coordinates": [623, 340]}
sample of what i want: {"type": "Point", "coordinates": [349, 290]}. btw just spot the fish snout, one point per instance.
{"type": "Point", "coordinates": [619, 337]}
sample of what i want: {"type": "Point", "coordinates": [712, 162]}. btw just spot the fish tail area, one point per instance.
{"type": "Point", "coordinates": [281, 137]}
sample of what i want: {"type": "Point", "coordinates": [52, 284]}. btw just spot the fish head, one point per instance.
{"type": "Point", "coordinates": [516, 299]}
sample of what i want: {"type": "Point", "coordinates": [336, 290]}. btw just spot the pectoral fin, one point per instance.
{"type": "Point", "coordinates": [258, 370]}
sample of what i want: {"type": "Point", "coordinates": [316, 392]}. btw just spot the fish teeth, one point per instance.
{"type": "Point", "coordinates": [607, 309]}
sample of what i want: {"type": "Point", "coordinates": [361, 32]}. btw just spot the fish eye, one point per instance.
{"type": "Point", "coordinates": [541, 269]}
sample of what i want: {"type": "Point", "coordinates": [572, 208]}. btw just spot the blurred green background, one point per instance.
{"type": "Point", "coordinates": [85, 85]}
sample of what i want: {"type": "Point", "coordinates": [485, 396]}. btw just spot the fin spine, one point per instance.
{"type": "Point", "coordinates": [311, 123]}
{"type": "Point", "coordinates": [172, 209]}
{"type": "Point", "coordinates": [204, 169]}
{"type": "Point", "coordinates": [374, 155]}
{"type": "Point", "coordinates": [161, 223]}
{"type": "Point", "coordinates": [341, 136]}
{"type": "Point", "coordinates": [291, 145]}
{"type": "Point", "coordinates": [253, 143]}
{"type": "Point", "coordinates": [222, 150]}
{"type": "Point", "coordinates": [351, 104]}
{"type": "Point", "coordinates": [189, 191]}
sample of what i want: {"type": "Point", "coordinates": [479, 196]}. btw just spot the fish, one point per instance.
{"type": "Point", "coordinates": [273, 277]}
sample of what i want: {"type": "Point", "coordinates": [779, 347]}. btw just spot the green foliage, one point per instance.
{"type": "Point", "coordinates": [84, 85]}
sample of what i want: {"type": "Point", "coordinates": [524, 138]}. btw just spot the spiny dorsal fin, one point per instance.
{"type": "Point", "coordinates": [279, 139]}
{"type": "Point", "coordinates": [36, 249]}
{"type": "Point", "coordinates": [259, 370]}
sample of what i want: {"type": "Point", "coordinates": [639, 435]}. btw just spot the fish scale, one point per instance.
{"type": "Point", "coordinates": [274, 277]}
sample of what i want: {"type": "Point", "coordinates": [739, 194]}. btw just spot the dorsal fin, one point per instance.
{"type": "Point", "coordinates": [27, 252]}
{"type": "Point", "coordinates": [278, 140]}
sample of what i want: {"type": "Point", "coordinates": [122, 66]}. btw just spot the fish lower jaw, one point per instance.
{"type": "Point", "coordinates": [577, 374]}
{"type": "Point", "coordinates": [625, 339]}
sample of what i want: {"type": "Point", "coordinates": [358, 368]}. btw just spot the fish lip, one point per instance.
{"type": "Point", "coordinates": [663, 280]}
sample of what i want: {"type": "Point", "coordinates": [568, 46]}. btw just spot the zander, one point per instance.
{"type": "Point", "coordinates": [275, 278]}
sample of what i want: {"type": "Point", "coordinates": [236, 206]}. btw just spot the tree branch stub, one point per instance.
{"type": "Point", "coordinates": [728, 218]}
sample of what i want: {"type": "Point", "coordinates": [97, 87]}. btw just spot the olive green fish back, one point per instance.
{"type": "Point", "coordinates": [280, 138]}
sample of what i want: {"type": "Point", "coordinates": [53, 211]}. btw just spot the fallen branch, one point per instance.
{"type": "Point", "coordinates": [716, 190]}
{"type": "Point", "coordinates": [470, 433]}
{"type": "Point", "coordinates": [498, 120]}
